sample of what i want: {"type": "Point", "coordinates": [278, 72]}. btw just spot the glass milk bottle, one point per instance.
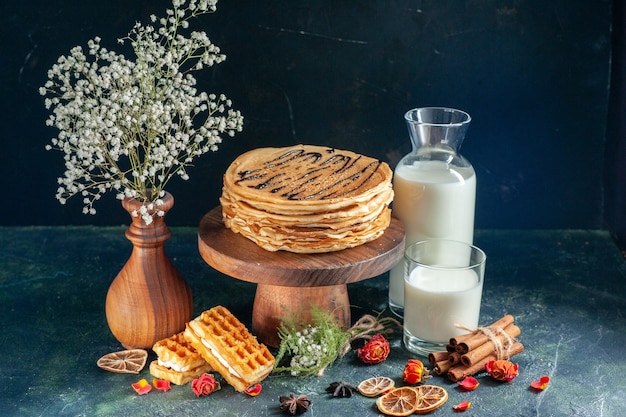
{"type": "Point", "coordinates": [434, 186]}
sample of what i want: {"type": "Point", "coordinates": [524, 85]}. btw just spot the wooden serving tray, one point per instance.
{"type": "Point", "coordinates": [289, 283]}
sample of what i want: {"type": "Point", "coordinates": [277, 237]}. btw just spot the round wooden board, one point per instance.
{"type": "Point", "coordinates": [238, 257]}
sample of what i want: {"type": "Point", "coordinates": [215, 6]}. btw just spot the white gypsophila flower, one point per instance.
{"type": "Point", "coordinates": [131, 125]}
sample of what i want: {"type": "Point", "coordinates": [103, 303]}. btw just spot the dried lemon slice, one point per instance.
{"type": "Point", "coordinates": [129, 361]}
{"type": "Point", "coordinates": [375, 386]}
{"type": "Point", "coordinates": [398, 402]}
{"type": "Point", "coordinates": [429, 398]}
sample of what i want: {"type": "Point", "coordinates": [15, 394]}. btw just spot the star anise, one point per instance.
{"type": "Point", "coordinates": [340, 389]}
{"type": "Point", "coordinates": [294, 405]}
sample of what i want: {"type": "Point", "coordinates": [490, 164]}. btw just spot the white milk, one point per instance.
{"type": "Point", "coordinates": [437, 299]}
{"type": "Point", "coordinates": [433, 200]}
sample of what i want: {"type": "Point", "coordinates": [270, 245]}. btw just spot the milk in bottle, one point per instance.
{"type": "Point", "coordinates": [434, 186]}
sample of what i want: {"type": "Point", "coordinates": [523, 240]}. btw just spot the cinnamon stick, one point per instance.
{"type": "Point", "coordinates": [479, 352]}
{"type": "Point", "coordinates": [450, 348]}
{"type": "Point", "coordinates": [442, 367]}
{"type": "Point", "coordinates": [458, 339]}
{"type": "Point", "coordinates": [459, 372]}
{"type": "Point", "coordinates": [478, 338]}
{"type": "Point", "coordinates": [435, 357]}
{"type": "Point", "coordinates": [454, 358]}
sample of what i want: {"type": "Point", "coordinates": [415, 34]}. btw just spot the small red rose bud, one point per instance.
{"type": "Point", "coordinates": [413, 371]}
{"type": "Point", "coordinates": [375, 351]}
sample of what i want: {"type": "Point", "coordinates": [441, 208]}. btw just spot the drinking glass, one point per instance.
{"type": "Point", "coordinates": [443, 284]}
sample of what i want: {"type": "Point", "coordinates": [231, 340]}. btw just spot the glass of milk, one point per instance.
{"type": "Point", "coordinates": [443, 285]}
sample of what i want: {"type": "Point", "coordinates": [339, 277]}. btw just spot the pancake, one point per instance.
{"type": "Point", "coordinates": [307, 198]}
{"type": "Point", "coordinates": [308, 175]}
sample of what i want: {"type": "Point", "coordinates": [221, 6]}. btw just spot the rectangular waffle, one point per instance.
{"type": "Point", "coordinates": [178, 361]}
{"type": "Point", "coordinates": [175, 377]}
{"type": "Point", "coordinates": [227, 345]}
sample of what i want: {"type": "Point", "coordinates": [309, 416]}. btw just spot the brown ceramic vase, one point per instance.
{"type": "Point", "coordinates": [149, 299]}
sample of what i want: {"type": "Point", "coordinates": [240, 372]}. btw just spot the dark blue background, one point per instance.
{"type": "Point", "coordinates": [534, 75]}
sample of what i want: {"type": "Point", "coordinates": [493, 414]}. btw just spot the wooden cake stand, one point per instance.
{"type": "Point", "coordinates": [288, 284]}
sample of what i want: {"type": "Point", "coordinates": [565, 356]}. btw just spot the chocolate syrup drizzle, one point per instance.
{"type": "Point", "coordinates": [345, 176]}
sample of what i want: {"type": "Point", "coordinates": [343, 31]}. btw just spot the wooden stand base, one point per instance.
{"type": "Point", "coordinates": [272, 302]}
{"type": "Point", "coordinates": [290, 283]}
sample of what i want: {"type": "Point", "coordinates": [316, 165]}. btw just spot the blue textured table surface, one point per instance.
{"type": "Point", "coordinates": [565, 288]}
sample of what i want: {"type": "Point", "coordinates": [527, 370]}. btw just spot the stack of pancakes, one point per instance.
{"type": "Point", "coordinates": [306, 198]}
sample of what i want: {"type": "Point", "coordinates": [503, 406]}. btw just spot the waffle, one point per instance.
{"type": "Point", "coordinates": [227, 345]}
{"type": "Point", "coordinates": [175, 377]}
{"type": "Point", "coordinates": [178, 361]}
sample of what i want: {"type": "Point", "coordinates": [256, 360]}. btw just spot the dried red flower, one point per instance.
{"type": "Point", "coordinates": [469, 383]}
{"type": "Point", "coordinates": [502, 370]}
{"type": "Point", "coordinates": [413, 371]}
{"type": "Point", "coordinates": [204, 385]}
{"type": "Point", "coordinates": [254, 390]}
{"type": "Point", "coordinates": [162, 384]}
{"type": "Point", "coordinates": [375, 351]}
{"type": "Point", "coordinates": [462, 406]}
{"type": "Point", "coordinates": [142, 387]}
{"type": "Point", "coordinates": [541, 384]}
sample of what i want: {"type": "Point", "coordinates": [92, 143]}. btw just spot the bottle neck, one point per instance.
{"type": "Point", "coordinates": [437, 129]}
